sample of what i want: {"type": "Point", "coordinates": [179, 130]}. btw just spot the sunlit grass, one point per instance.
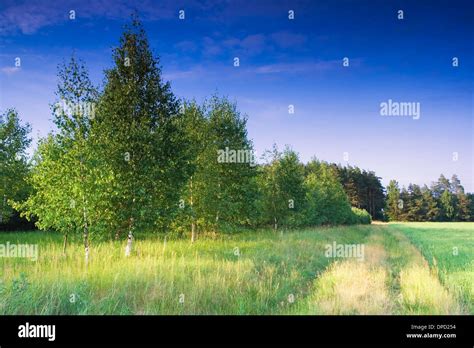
{"type": "Point", "coordinates": [393, 278]}
{"type": "Point", "coordinates": [245, 273]}
{"type": "Point", "coordinates": [351, 288]}
{"type": "Point", "coordinates": [421, 293]}
{"type": "Point", "coordinates": [449, 249]}
{"type": "Point", "coordinates": [262, 272]}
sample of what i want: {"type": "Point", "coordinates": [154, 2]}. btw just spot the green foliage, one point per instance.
{"type": "Point", "coordinates": [327, 202]}
{"type": "Point", "coordinates": [50, 203]}
{"type": "Point", "coordinates": [360, 216]}
{"type": "Point", "coordinates": [414, 206]}
{"type": "Point", "coordinates": [281, 188]}
{"type": "Point", "coordinates": [393, 206]}
{"type": "Point", "coordinates": [444, 201]}
{"type": "Point", "coordinates": [230, 184]}
{"type": "Point", "coordinates": [138, 140]}
{"type": "Point", "coordinates": [430, 205]}
{"type": "Point", "coordinates": [221, 190]}
{"type": "Point", "coordinates": [470, 205]}
{"type": "Point", "coordinates": [65, 175]}
{"type": "Point", "coordinates": [14, 167]}
{"type": "Point", "coordinates": [448, 205]}
{"type": "Point", "coordinates": [320, 197]}
{"type": "Point", "coordinates": [363, 188]}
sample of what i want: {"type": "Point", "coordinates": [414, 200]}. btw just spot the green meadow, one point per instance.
{"type": "Point", "coordinates": [449, 249]}
{"type": "Point", "coordinates": [407, 268]}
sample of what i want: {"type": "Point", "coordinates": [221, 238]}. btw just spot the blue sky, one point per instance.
{"type": "Point", "coordinates": [282, 62]}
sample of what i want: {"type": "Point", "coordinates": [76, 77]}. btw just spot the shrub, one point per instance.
{"type": "Point", "coordinates": [361, 216]}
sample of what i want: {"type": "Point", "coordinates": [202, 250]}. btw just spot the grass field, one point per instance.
{"type": "Point", "coordinates": [449, 249]}
{"type": "Point", "coordinates": [262, 272]}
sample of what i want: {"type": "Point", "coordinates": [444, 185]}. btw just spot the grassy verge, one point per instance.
{"type": "Point", "coordinates": [393, 278]}
{"type": "Point", "coordinates": [246, 273]}
{"type": "Point", "coordinates": [263, 272]}
{"type": "Point", "coordinates": [449, 250]}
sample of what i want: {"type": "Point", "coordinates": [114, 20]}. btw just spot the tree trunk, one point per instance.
{"type": "Point", "coordinates": [216, 230]}
{"type": "Point", "coordinates": [86, 236]}
{"type": "Point", "coordinates": [4, 203]}
{"type": "Point", "coordinates": [164, 247]}
{"type": "Point", "coordinates": [117, 234]}
{"type": "Point", "coordinates": [65, 244]}
{"type": "Point", "coordinates": [84, 215]}
{"type": "Point", "coordinates": [3, 206]}
{"type": "Point", "coordinates": [373, 205]}
{"type": "Point", "coordinates": [193, 224]}
{"type": "Point", "coordinates": [193, 232]}
{"type": "Point", "coordinates": [128, 248]}
{"type": "Point", "coordinates": [275, 226]}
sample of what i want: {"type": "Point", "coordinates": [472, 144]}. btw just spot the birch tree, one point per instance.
{"type": "Point", "coordinates": [14, 167]}
{"type": "Point", "coordinates": [139, 141]}
{"type": "Point", "coordinates": [65, 174]}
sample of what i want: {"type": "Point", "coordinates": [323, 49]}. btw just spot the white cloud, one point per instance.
{"type": "Point", "coordinates": [28, 17]}
{"type": "Point", "coordinates": [9, 70]}
{"type": "Point", "coordinates": [285, 39]}
{"type": "Point", "coordinates": [300, 67]}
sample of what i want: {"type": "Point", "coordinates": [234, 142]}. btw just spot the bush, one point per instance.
{"type": "Point", "coordinates": [326, 201]}
{"type": "Point", "coordinates": [361, 216]}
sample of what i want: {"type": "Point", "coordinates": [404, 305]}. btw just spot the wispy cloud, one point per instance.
{"type": "Point", "coordinates": [251, 44]}
{"type": "Point", "coordinates": [286, 39]}
{"type": "Point", "coordinates": [186, 46]}
{"type": "Point", "coordinates": [191, 73]}
{"type": "Point", "coordinates": [9, 70]}
{"type": "Point", "coordinates": [27, 17]}
{"type": "Point", "coordinates": [219, 71]}
{"type": "Point", "coordinates": [299, 67]}
{"type": "Point", "coordinates": [211, 47]}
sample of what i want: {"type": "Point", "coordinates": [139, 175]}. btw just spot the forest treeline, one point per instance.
{"type": "Point", "coordinates": [132, 157]}
{"type": "Point", "coordinates": [444, 200]}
